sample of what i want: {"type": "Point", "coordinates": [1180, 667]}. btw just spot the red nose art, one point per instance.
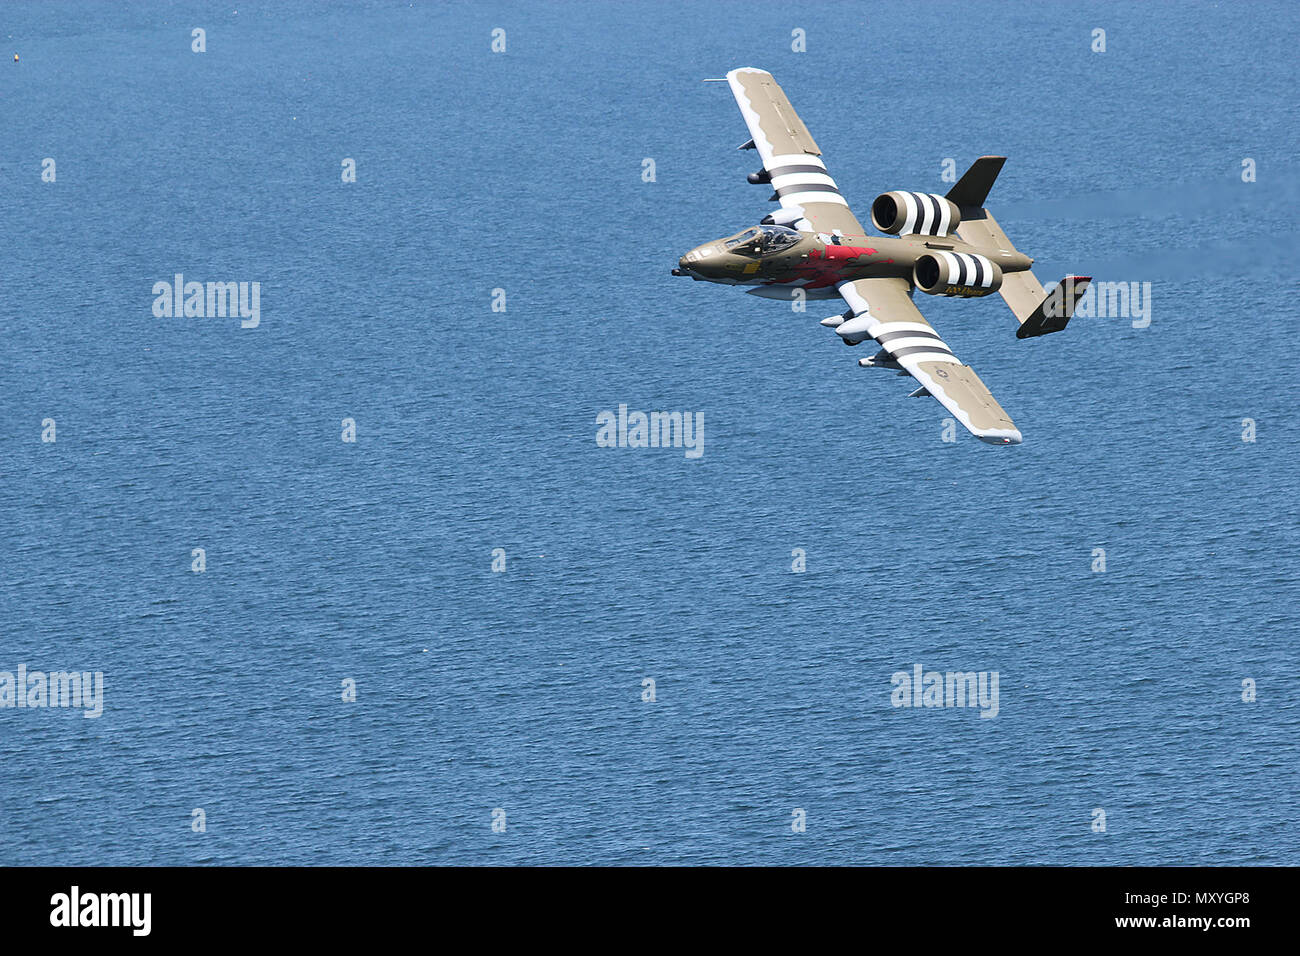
{"type": "Point", "coordinates": [824, 266]}
{"type": "Point", "coordinates": [846, 252]}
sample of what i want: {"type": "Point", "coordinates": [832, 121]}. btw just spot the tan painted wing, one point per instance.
{"type": "Point", "coordinates": [886, 312]}
{"type": "Point", "coordinates": [790, 155]}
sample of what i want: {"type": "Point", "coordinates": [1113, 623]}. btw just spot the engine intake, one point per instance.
{"type": "Point", "coordinates": [909, 214]}
{"type": "Point", "coordinates": [960, 274]}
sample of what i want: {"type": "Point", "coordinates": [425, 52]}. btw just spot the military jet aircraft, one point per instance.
{"type": "Point", "coordinates": [943, 245]}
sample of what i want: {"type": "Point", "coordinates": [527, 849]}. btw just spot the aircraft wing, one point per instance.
{"type": "Point", "coordinates": [790, 155]}
{"type": "Point", "coordinates": [883, 310]}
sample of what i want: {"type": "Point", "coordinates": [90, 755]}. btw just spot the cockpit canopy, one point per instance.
{"type": "Point", "coordinates": [762, 240]}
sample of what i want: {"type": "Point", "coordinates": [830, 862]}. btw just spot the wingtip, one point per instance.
{"type": "Point", "coordinates": [1012, 437]}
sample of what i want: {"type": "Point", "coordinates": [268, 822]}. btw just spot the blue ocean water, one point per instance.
{"type": "Point", "coordinates": [521, 691]}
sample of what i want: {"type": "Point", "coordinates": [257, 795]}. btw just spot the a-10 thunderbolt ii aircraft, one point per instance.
{"type": "Point", "coordinates": [946, 245]}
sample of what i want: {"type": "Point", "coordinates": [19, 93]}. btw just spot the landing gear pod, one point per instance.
{"type": "Point", "coordinates": [960, 274]}
{"type": "Point", "coordinates": [910, 214]}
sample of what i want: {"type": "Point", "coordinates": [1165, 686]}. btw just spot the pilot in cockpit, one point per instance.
{"type": "Point", "coordinates": [763, 241]}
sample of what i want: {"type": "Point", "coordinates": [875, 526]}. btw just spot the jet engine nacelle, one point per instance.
{"type": "Point", "coordinates": [907, 214]}
{"type": "Point", "coordinates": [956, 273]}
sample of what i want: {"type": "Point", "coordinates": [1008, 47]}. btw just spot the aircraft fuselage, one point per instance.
{"type": "Point", "coordinates": [817, 263]}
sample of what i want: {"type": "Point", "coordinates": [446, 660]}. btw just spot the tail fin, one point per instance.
{"type": "Point", "coordinates": [1052, 314]}
{"type": "Point", "coordinates": [973, 187]}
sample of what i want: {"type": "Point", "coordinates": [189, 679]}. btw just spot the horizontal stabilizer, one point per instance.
{"type": "Point", "coordinates": [1055, 310]}
{"type": "Point", "coordinates": [1021, 290]}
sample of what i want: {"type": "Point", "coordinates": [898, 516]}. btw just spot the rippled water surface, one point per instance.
{"type": "Point", "coordinates": [327, 561]}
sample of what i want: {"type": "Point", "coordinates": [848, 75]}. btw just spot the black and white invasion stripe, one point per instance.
{"type": "Point", "coordinates": [969, 270]}
{"type": "Point", "coordinates": [913, 339]}
{"type": "Point", "coordinates": [799, 178]}
{"type": "Point", "coordinates": [927, 214]}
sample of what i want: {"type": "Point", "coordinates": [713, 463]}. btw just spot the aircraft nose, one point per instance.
{"type": "Point", "coordinates": [702, 262]}
{"type": "Point", "coordinates": [682, 267]}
